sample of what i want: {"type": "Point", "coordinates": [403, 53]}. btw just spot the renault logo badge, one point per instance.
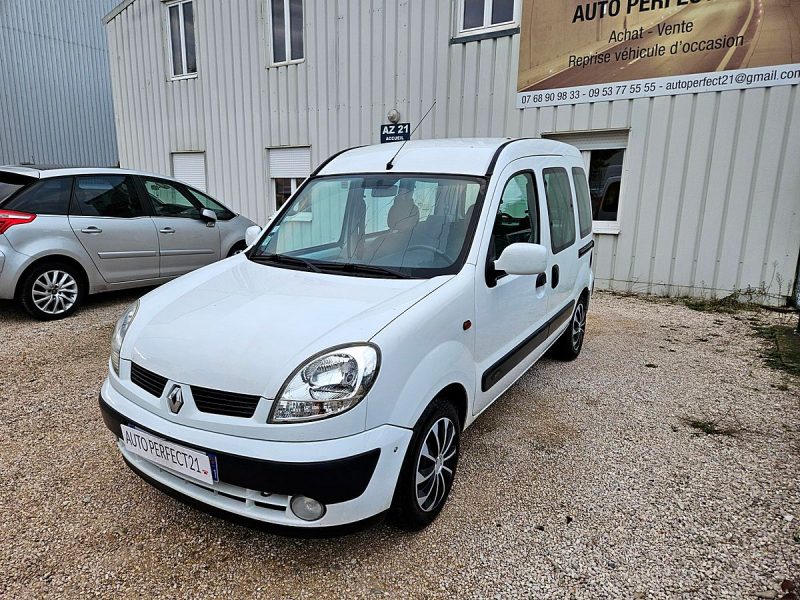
{"type": "Point", "coordinates": [175, 399]}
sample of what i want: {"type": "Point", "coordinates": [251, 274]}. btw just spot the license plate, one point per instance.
{"type": "Point", "coordinates": [185, 461]}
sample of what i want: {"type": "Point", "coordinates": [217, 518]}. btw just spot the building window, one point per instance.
{"type": "Point", "coordinates": [284, 188]}
{"type": "Point", "coordinates": [605, 183]}
{"type": "Point", "coordinates": [183, 55]}
{"type": "Point", "coordinates": [288, 169]}
{"type": "Point", "coordinates": [477, 16]}
{"type": "Point", "coordinates": [603, 154]}
{"type": "Point", "coordinates": [287, 31]}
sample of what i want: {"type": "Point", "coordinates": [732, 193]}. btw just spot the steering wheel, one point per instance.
{"type": "Point", "coordinates": [433, 249]}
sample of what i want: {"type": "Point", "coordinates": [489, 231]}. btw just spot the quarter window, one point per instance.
{"type": "Point", "coordinates": [287, 30]}
{"type": "Point", "coordinates": [107, 196]}
{"type": "Point", "coordinates": [485, 14]}
{"type": "Point", "coordinates": [559, 207]}
{"type": "Point", "coordinates": [584, 203]}
{"type": "Point", "coordinates": [183, 53]}
{"type": "Point", "coordinates": [45, 197]}
{"type": "Point", "coordinates": [517, 217]}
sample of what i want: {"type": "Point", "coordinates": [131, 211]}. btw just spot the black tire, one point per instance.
{"type": "Point", "coordinates": [408, 510]}
{"type": "Point", "coordinates": [568, 346]}
{"type": "Point", "coordinates": [52, 290]}
{"type": "Point", "coordinates": [237, 248]}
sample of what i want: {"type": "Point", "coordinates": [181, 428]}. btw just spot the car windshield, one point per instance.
{"type": "Point", "coordinates": [376, 225]}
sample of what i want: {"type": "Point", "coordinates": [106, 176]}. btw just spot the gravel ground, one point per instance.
{"type": "Point", "coordinates": [584, 480]}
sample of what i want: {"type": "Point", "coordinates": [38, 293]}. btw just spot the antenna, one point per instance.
{"type": "Point", "coordinates": [390, 164]}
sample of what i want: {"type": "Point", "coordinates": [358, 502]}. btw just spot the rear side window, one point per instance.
{"type": "Point", "coordinates": [559, 205]}
{"type": "Point", "coordinates": [584, 201]}
{"type": "Point", "coordinates": [107, 196]}
{"type": "Point", "coordinates": [45, 197]}
{"type": "Point", "coordinates": [10, 183]}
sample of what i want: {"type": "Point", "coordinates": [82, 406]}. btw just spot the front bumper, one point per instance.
{"type": "Point", "coordinates": [353, 476]}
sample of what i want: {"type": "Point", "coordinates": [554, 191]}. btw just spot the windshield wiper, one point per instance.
{"type": "Point", "coordinates": [366, 270]}
{"type": "Point", "coordinates": [288, 260]}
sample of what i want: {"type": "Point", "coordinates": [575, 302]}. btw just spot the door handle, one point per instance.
{"type": "Point", "coordinates": [541, 280]}
{"type": "Point", "coordinates": [91, 229]}
{"type": "Point", "coordinates": [555, 275]}
{"type": "Point", "coordinates": [166, 230]}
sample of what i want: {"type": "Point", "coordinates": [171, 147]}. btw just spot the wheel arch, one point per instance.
{"type": "Point", "coordinates": [55, 259]}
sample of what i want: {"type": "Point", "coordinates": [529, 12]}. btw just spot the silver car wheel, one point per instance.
{"type": "Point", "coordinates": [54, 292]}
{"type": "Point", "coordinates": [435, 464]}
{"type": "Point", "coordinates": [578, 326]}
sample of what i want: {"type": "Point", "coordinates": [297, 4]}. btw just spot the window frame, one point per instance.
{"type": "Point", "coordinates": [171, 61]}
{"type": "Point", "coordinates": [509, 26]}
{"type": "Point", "coordinates": [295, 183]}
{"type": "Point", "coordinates": [557, 250]}
{"type": "Point", "coordinates": [287, 41]}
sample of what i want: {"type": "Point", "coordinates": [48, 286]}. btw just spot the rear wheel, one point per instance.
{"type": "Point", "coordinates": [568, 346]}
{"type": "Point", "coordinates": [52, 291]}
{"type": "Point", "coordinates": [429, 467]}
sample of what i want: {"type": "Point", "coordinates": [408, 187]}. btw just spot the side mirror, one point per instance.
{"type": "Point", "coordinates": [522, 259]}
{"type": "Point", "coordinates": [251, 235]}
{"type": "Point", "coordinates": [209, 216]}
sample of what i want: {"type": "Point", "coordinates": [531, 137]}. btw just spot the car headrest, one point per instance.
{"type": "Point", "coordinates": [404, 214]}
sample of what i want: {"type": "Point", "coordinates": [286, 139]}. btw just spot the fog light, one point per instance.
{"type": "Point", "coordinates": [307, 509]}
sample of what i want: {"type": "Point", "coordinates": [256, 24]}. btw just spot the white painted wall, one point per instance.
{"type": "Point", "coordinates": [711, 202]}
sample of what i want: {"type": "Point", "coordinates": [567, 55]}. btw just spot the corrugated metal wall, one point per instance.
{"type": "Point", "coordinates": [55, 86]}
{"type": "Point", "coordinates": [711, 198]}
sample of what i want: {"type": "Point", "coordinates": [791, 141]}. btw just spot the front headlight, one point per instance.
{"type": "Point", "coordinates": [327, 385]}
{"type": "Point", "coordinates": [120, 330]}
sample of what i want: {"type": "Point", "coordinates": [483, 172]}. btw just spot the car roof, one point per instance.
{"type": "Point", "coordinates": [463, 156]}
{"type": "Point", "coordinates": [46, 171]}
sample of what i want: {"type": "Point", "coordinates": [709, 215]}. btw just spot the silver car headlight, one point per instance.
{"type": "Point", "coordinates": [121, 328]}
{"type": "Point", "coordinates": [327, 384]}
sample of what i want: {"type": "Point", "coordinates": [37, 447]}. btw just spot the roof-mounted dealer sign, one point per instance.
{"type": "Point", "coordinates": [574, 52]}
{"type": "Point", "coordinates": [395, 132]}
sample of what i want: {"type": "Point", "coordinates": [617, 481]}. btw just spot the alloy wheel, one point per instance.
{"type": "Point", "coordinates": [435, 464]}
{"type": "Point", "coordinates": [54, 292]}
{"type": "Point", "coordinates": [578, 326]}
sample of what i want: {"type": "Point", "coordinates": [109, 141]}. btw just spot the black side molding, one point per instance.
{"type": "Point", "coordinates": [586, 249]}
{"type": "Point", "coordinates": [507, 364]}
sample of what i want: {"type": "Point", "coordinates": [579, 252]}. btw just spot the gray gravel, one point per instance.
{"type": "Point", "coordinates": [585, 480]}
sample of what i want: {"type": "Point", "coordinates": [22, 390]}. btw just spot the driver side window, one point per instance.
{"type": "Point", "coordinates": [517, 216]}
{"type": "Point", "coordinates": [168, 201]}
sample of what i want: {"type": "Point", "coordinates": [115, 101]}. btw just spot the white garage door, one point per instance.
{"type": "Point", "coordinates": [190, 168]}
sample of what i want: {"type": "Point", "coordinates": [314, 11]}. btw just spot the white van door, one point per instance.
{"type": "Point", "coordinates": [511, 310]}
{"type": "Point", "coordinates": [562, 275]}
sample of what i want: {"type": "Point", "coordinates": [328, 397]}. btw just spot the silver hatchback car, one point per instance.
{"type": "Point", "coordinates": [66, 233]}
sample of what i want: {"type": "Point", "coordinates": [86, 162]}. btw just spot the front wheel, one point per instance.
{"type": "Point", "coordinates": [429, 467]}
{"type": "Point", "coordinates": [569, 345]}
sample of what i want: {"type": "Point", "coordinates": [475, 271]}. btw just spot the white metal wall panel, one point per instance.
{"type": "Point", "coordinates": [55, 87]}
{"type": "Point", "coordinates": [711, 198]}
{"type": "Point", "coordinates": [289, 162]}
{"type": "Point", "coordinates": [190, 168]}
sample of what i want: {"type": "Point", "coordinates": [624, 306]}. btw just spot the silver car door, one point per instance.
{"type": "Point", "coordinates": [186, 240]}
{"type": "Point", "coordinates": [107, 217]}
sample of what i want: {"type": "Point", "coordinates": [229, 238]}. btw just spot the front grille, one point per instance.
{"type": "Point", "coordinates": [224, 403]}
{"type": "Point", "coordinates": [147, 380]}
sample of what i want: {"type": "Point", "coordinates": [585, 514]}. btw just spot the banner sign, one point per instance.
{"type": "Point", "coordinates": [574, 52]}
